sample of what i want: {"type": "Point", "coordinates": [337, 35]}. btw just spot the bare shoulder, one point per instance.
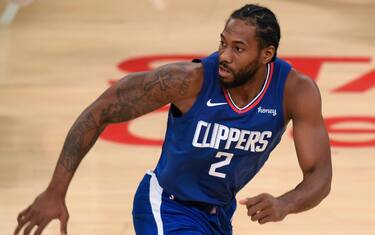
{"type": "Point", "coordinates": [302, 96]}
{"type": "Point", "coordinates": [166, 84]}
{"type": "Point", "coordinates": [139, 93]}
{"type": "Point", "coordinates": [177, 81]}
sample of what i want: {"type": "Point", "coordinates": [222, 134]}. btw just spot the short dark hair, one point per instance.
{"type": "Point", "coordinates": [265, 21]}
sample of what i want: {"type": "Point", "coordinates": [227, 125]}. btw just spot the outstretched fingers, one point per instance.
{"type": "Point", "coordinates": [29, 227]}
{"type": "Point", "coordinates": [64, 223]}
{"type": "Point", "coordinates": [23, 218]}
{"type": "Point", "coordinates": [41, 227]}
{"type": "Point", "coordinates": [22, 214]}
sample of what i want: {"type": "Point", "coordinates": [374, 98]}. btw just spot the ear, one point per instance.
{"type": "Point", "coordinates": [267, 54]}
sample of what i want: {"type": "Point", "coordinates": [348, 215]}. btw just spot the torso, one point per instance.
{"type": "Point", "coordinates": [214, 148]}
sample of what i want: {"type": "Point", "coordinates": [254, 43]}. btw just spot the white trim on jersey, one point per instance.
{"type": "Point", "coordinates": [257, 96]}
{"type": "Point", "coordinates": [155, 201]}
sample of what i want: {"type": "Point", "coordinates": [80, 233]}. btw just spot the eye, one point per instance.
{"type": "Point", "coordinates": [239, 49]}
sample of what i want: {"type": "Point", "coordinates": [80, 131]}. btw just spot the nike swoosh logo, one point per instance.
{"type": "Point", "coordinates": [210, 104]}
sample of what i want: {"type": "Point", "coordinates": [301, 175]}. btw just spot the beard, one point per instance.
{"type": "Point", "coordinates": [242, 76]}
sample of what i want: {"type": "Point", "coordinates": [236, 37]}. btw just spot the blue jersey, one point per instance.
{"type": "Point", "coordinates": [216, 148]}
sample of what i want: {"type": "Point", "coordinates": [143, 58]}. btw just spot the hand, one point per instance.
{"type": "Point", "coordinates": [46, 207]}
{"type": "Point", "coordinates": [264, 208]}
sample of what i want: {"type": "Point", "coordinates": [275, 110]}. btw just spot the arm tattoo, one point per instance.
{"type": "Point", "coordinates": [80, 138]}
{"type": "Point", "coordinates": [145, 93]}
{"type": "Point", "coordinates": [133, 96]}
{"type": "Point", "coordinates": [166, 80]}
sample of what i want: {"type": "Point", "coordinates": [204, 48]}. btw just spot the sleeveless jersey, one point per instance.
{"type": "Point", "coordinates": [215, 149]}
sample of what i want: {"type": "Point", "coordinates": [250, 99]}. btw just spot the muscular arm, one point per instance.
{"type": "Point", "coordinates": [303, 107]}
{"type": "Point", "coordinates": [303, 103]}
{"type": "Point", "coordinates": [131, 97]}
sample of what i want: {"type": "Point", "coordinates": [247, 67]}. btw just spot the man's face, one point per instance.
{"type": "Point", "coordinates": [239, 53]}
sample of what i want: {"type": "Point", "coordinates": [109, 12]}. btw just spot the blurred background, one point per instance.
{"type": "Point", "coordinates": [56, 57]}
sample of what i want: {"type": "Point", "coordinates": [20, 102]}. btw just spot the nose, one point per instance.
{"type": "Point", "coordinates": [225, 55]}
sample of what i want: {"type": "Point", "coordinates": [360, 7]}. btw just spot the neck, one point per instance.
{"type": "Point", "coordinates": [242, 95]}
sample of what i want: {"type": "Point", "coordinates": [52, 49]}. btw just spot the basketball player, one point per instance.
{"type": "Point", "coordinates": [228, 112]}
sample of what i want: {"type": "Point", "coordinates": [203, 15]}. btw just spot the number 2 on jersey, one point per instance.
{"type": "Point", "coordinates": [226, 161]}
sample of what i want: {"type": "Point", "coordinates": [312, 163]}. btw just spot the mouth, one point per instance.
{"type": "Point", "coordinates": [224, 72]}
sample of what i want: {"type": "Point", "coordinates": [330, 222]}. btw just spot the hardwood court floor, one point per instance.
{"type": "Point", "coordinates": [58, 56]}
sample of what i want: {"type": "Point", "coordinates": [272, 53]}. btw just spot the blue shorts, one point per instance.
{"type": "Point", "coordinates": [157, 212]}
